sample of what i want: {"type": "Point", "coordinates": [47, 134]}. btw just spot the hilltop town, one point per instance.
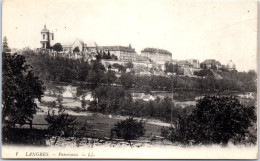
{"type": "Point", "coordinates": [150, 61]}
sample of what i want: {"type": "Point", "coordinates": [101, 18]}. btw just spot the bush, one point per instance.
{"type": "Point", "coordinates": [60, 124]}
{"type": "Point", "coordinates": [93, 106]}
{"type": "Point", "coordinates": [77, 109]}
{"type": "Point", "coordinates": [129, 129]}
{"type": "Point", "coordinates": [23, 136]}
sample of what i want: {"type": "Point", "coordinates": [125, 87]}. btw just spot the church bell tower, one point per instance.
{"type": "Point", "coordinates": [46, 38]}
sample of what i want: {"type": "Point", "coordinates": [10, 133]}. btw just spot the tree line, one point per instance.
{"type": "Point", "coordinates": [118, 101]}
{"type": "Point", "coordinates": [61, 69]}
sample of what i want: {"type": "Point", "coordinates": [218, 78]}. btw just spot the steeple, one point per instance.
{"type": "Point", "coordinates": [46, 38]}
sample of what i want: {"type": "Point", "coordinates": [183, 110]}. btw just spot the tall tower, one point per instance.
{"type": "Point", "coordinates": [46, 38]}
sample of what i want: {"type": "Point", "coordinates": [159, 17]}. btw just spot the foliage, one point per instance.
{"type": "Point", "coordinates": [215, 120]}
{"type": "Point", "coordinates": [23, 136]}
{"type": "Point", "coordinates": [5, 47]}
{"type": "Point", "coordinates": [60, 124]}
{"type": "Point", "coordinates": [109, 98]}
{"type": "Point", "coordinates": [120, 68]}
{"type": "Point", "coordinates": [204, 73]}
{"type": "Point", "coordinates": [76, 50]}
{"type": "Point", "coordinates": [171, 68]}
{"type": "Point", "coordinates": [59, 98]}
{"type": "Point", "coordinates": [129, 129]}
{"type": "Point", "coordinates": [129, 65]}
{"type": "Point", "coordinates": [96, 74]}
{"type": "Point", "coordinates": [93, 106]}
{"type": "Point", "coordinates": [61, 69]}
{"type": "Point", "coordinates": [106, 56]}
{"type": "Point", "coordinates": [127, 80]}
{"type": "Point", "coordinates": [116, 100]}
{"type": "Point", "coordinates": [83, 103]}
{"type": "Point", "coordinates": [57, 47]}
{"type": "Point", "coordinates": [109, 77]}
{"type": "Point", "coordinates": [20, 89]}
{"type": "Point", "coordinates": [146, 88]}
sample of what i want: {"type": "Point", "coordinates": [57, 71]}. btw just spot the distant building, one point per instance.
{"type": "Point", "coordinates": [136, 96]}
{"type": "Point", "coordinates": [210, 64]}
{"type": "Point", "coordinates": [231, 65]}
{"type": "Point", "coordinates": [46, 38]}
{"type": "Point", "coordinates": [69, 92]}
{"type": "Point", "coordinates": [183, 63]}
{"type": "Point", "coordinates": [188, 67]}
{"type": "Point", "coordinates": [87, 97]}
{"type": "Point", "coordinates": [123, 53]}
{"type": "Point", "coordinates": [142, 96]}
{"type": "Point", "coordinates": [148, 98]}
{"type": "Point", "coordinates": [140, 58]}
{"type": "Point", "coordinates": [157, 55]}
{"type": "Point", "coordinates": [194, 62]}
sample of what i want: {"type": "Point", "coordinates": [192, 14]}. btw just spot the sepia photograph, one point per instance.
{"type": "Point", "coordinates": [129, 79]}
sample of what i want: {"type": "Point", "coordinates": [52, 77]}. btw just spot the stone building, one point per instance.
{"type": "Point", "coordinates": [46, 38]}
{"type": "Point", "coordinates": [194, 63]}
{"type": "Point", "coordinates": [157, 55]}
{"type": "Point", "coordinates": [123, 53]}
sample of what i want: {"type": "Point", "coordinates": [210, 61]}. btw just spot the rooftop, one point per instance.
{"type": "Point", "coordinates": [156, 50]}
{"type": "Point", "coordinates": [45, 29]}
{"type": "Point", "coordinates": [184, 63]}
{"type": "Point", "coordinates": [117, 48]}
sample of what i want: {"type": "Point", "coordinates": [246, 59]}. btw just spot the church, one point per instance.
{"type": "Point", "coordinates": [80, 49]}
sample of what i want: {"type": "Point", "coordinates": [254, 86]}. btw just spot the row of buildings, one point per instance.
{"type": "Point", "coordinates": [149, 61]}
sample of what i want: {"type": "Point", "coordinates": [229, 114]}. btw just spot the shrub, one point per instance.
{"type": "Point", "coordinates": [129, 129]}
{"type": "Point", "coordinates": [77, 109]}
{"type": "Point", "coordinates": [23, 136]}
{"type": "Point", "coordinates": [60, 124]}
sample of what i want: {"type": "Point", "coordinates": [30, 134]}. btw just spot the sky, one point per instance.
{"type": "Point", "coordinates": [205, 29]}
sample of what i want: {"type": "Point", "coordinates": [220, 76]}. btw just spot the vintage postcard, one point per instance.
{"type": "Point", "coordinates": [129, 79]}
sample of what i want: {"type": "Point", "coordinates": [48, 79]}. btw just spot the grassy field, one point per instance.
{"type": "Point", "coordinates": [101, 125]}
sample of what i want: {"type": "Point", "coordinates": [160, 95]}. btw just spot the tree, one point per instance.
{"type": "Point", "coordinates": [204, 73]}
{"type": "Point", "coordinates": [76, 50]}
{"type": "Point", "coordinates": [169, 67]}
{"type": "Point", "coordinates": [216, 120]}
{"type": "Point", "coordinates": [5, 45]}
{"type": "Point", "coordinates": [59, 98]}
{"type": "Point", "coordinates": [96, 74]}
{"type": "Point", "coordinates": [109, 77]}
{"type": "Point", "coordinates": [121, 68]}
{"type": "Point", "coordinates": [109, 67]}
{"type": "Point", "coordinates": [60, 124]}
{"type": "Point", "coordinates": [146, 88]}
{"type": "Point", "coordinates": [129, 129]}
{"type": "Point", "coordinates": [203, 66]}
{"type": "Point", "coordinates": [83, 103]}
{"type": "Point", "coordinates": [108, 55]}
{"type": "Point", "coordinates": [20, 89]}
{"type": "Point", "coordinates": [57, 47]}
{"type": "Point", "coordinates": [129, 65]}
{"type": "Point", "coordinates": [127, 80]}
